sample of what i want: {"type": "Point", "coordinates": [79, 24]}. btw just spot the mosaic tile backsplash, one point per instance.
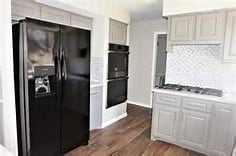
{"type": "Point", "coordinates": [199, 65]}
{"type": "Point", "coordinates": [96, 69]}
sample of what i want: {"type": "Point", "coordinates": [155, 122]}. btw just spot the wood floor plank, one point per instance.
{"type": "Point", "coordinates": [157, 148]}
{"type": "Point", "coordinates": [129, 137]}
{"type": "Point", "coordinates": [135, 147]}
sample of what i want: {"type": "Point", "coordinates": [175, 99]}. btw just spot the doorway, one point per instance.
{"type": "Point", "coordinates": [161, 55]}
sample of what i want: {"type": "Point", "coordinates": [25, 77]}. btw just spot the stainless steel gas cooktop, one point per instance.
{"type": "Point", "coordinates": [193, 89]}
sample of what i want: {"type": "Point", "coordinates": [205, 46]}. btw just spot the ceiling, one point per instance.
{"type": "Point", "coordinates": [142, 9]}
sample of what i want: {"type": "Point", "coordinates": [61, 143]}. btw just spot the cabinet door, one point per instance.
{"type": "Point", "coordinates": [117, 32]}
{"type": "Point", "coordinates": [81, 22]}
{"type": "Point", "coordinates": [55, 15]}
{"type": "Point", "coordinates": [230, 37]}
{"type": "Point", "coordinates": [20, 10]}
{"type": "Point", "coordinates": [194, 129]}
{"type": "Point", "coordinates": [219, 136]}
{"type": "Point", "coordinates": [209, 27]}
{"type": "Point", "coordinates": [181, 28]}
{"type": "Point", "coordinates": [165, 122]}
{"type": "Point", "coordinates": [95, 107]}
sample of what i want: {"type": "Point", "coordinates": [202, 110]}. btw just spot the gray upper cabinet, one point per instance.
{"type": "Point", "coordinates": [20, 10]}
{"type": "Point", "coordinates": [181, 28]}
{"type": "Point", "coordinates": [117, 32]}
{"type": "Point", "coordinates": [81, 22]}
{"type": "Point", "coordinates": [229, 52]}
{"type": "Point", "coordinates": [55, 15]}
{"type": "Point", "coordinates": [27, 8]}
{"type": "Point", "coordinates": [199, 28]}
{"type": "Point", "coordinates": [209, 27]}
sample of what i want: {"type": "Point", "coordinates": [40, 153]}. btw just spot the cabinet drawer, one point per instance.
{"type": "Point", "coordinates": [166, 99]}
{"type": "Point", "coordinates": [196, 104]}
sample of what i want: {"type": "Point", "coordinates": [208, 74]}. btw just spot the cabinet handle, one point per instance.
{"type": "Point", "coordinates": [94, 93]}
{"type": "Point", "coordinates": [226, 110]}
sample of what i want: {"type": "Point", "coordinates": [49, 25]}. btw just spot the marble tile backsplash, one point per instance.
{"type": "Point", "coordinates": [199, 65]}
{"type": "Point", "coordinates": [96, 69]}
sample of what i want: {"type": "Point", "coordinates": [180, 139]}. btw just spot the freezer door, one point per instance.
{"type": "Point", "coordinates": [75, 86]}
{"type": "Point", "coordinates": [41, 46]}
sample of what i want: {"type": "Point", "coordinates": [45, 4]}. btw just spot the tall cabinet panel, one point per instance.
{"type": "Point", "coordinates": [219, 134]}
{"type": "Point", "coordinates": [76, 87]}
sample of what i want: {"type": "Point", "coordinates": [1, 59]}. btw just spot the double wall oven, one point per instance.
{"type": "Point", "coordinates": [118, 58]}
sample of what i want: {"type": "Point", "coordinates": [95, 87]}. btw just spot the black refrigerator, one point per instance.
{"type": "Point", "coordinates": [52, 87]}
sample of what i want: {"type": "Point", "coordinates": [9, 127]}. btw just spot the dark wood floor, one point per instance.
{"type": "Point", "coordinates": [129, 137]}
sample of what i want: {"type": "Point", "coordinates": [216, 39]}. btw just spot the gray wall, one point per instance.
{"type": "Point", "coordinates": [140, 59]}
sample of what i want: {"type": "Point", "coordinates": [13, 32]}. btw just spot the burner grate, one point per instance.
{"type": "Point", "coordinates": [193, 89]}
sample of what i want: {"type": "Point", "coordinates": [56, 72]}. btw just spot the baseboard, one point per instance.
{"type": "Point", "coordinates": [107, 123]}
{"type": "Point", "coordinates": [138, 104]}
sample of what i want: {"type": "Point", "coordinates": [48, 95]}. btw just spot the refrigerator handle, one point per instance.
{"type": "Point", "coordinates": [64, 72]}
{"type": "Point", "coordinates": [58, 67]}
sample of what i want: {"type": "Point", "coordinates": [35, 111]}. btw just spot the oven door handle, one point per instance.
{"type": "Point", "coordinates": [118, 79]}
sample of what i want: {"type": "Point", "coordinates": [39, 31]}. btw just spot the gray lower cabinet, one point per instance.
{"type": "Point", "coordinates": [95, 107]}
{"type": "Point", "coordinates": [117, 32]}
{"type": "Point", "coordinates": [220, 140]}
{"type": "Point", "coordinates": [198, 124]}
{"type": "Point", "coordinates": [165, 122]}
{"type": "Point", "coordinates": [194, 129]}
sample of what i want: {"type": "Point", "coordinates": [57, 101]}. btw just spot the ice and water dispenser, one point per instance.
{"type": "Point", "coordinates": [44, 77]}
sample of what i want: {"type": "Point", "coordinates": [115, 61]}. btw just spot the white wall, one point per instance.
{"type": "Point", "coordinates": [140, 59]}
{"type": "Point", "coordinates": [6, 69]}
{"type": "Point", "coordinates": [171, 7]}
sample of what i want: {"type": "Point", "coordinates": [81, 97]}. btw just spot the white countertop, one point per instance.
{"type": "Point", "coordinates": [95, 84]}
{"type": "Point", "coordinates": [226, 98]}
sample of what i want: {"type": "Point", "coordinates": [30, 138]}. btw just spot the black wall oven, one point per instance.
{"type": "Point", "coordinates": [118, 64]}
{"type": "Point", "coordinates": [118, 58]}
{"type": "Point", "coordinates": [117, 91]}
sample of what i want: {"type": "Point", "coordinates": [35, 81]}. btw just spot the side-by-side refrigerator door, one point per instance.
{"type": "Point", "coordinates": [41, 56]}
{"type": "Point", "coordinates": [76, 87]}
